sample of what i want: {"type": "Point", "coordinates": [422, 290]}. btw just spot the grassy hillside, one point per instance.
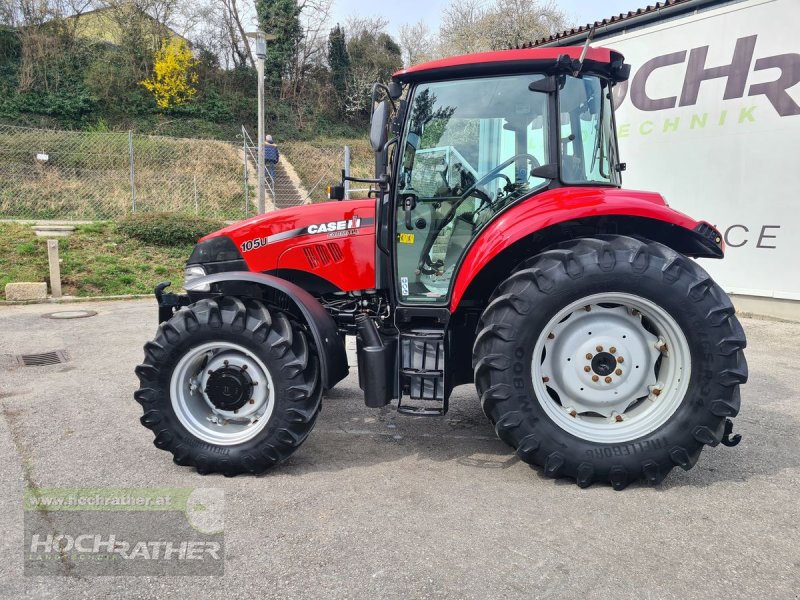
{"type": "Point", "coordinates": [96, 261]}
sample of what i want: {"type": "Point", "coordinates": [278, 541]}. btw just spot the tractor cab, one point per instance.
{"type": "Point", "coordinates": [470, 138]}
{"type": "Point", "coordinates": [470, 148]}
{"type": "Point", "coordinates": [474, 135]}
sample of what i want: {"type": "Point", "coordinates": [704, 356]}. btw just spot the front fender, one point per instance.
{"type": "Point", "coordinates": [563, 205]}
{"type": "Point", "coordinates": [330, 346]}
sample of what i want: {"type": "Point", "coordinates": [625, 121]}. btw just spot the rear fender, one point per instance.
{"type": "Point", "coordinates": [330, 346]}
{"type": "Point", "coordinates": [564, 213]}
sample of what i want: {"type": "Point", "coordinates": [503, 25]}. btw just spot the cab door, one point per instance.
{"type": "Point", "coordinates": [467, 153]}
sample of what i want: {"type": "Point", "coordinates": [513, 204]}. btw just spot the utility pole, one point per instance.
{"type": "Point", "coordinates": [261, 56]}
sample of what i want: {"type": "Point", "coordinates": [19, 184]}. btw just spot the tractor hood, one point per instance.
{"type": "Point", "coordinates": [305, 242]}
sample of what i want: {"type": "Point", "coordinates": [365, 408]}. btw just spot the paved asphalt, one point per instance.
{"type": "Point", "coordinates": [376, 504]}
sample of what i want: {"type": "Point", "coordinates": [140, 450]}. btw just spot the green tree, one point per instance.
{"type": "Point", "coordinates": [373, 57]}
{"type": "Point", "coordinates": [280, 18]}
{"type": "Point", "coordinates": [339, 62]}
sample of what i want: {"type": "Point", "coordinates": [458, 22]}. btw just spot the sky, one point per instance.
{"type": "Point", "coordinates": [410, 11]}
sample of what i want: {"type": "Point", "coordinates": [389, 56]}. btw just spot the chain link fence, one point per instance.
{"type": "Point", "coordinates": [306, 169]}
{"type": "Point", "coordinates": [66, 175]}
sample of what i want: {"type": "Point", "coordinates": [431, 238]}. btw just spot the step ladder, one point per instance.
{"type": "Point", "coordinates": [422, 374]}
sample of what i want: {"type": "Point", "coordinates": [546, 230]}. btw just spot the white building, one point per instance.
{"type": "Point", "coordinates": [710, 118]}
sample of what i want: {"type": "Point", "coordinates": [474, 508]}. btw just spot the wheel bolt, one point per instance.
{"type": "Point", "coordinates": [587, 308]}
{"type": "Point", "coordinates": [613, 350]}
{"type": "Point", "coordinates": [572, 412]}
{"type": "Point", "coordinates": [618, 372]}
{"type": "Point", "coordinates": [595, 378]}
{"type": "Point", "coordinates": [656, 392]}
{"type": "Point", "coordinates": [608, 380]}
{"type": "Point", "coordinates": [620, 359]}
{"type": "Point", "coordinates": [618, 418]}
{"type": "Point", "coordinates": [545, 379]}
{"type": "Point", "coordinates": [599, 348]}
{"type": "Point", "coordinates": [551, 336]}
{"type": "Point", "coordinates": [587, 368]}
{"type": "Point", "coordinates": [588, 356]}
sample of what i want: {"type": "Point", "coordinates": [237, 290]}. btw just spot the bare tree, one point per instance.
{"type": "Point", "coordinates": [473, 26]}
{"type": "Point", "coordinates": [511, 23]}
{"type": "Point", "coordinates": [315, 21]}
{"type": "Point", "coordinates": [355, 25]}
{"type": "Point", "coordinates": [460, 30]}
{"type": "Point", "coordinates": [45, 34]}
{"type": "Point", "coordinates": [417, 43]}
{"type": "Point", "coordinates": [306, 84]}
{"type": "Point", "coordinates": [219, 27]}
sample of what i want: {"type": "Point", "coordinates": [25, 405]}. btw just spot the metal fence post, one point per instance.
{"type": "Point", "coordinates": [133, 170]}
{"type": "Point", "coordinates": [346, 172]}
{"type": "Point", "coordinates": [246, 183]}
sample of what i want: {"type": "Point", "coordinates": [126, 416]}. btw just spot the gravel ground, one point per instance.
{"type": "Point", "coordinates": [376, 504]}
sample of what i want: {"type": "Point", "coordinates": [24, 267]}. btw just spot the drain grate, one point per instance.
{"type": "Point", "coordinates": [54, 357]}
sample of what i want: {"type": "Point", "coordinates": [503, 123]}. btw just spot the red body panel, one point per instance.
{"type": "Point", "coordinates": [550, 208]}
{"type": "Point", "coordinates": [345, 257]}
{"type": "Point", "coordinates": [603, 55]}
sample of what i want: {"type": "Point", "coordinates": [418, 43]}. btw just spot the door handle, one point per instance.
{"type": "Point", "coordinates": [409, 204]}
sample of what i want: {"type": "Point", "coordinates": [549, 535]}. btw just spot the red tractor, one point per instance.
{"type": "Point", "coordinates": [497, 247]}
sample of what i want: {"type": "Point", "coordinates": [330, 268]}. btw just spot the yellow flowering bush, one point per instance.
{"type": "Point", "coordinates": [174, 76]}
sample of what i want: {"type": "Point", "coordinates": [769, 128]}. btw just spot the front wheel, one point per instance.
{"type": "Point", "coordinates": [610, 359]}
{"type": "Point", "coordinates": [229, 386]}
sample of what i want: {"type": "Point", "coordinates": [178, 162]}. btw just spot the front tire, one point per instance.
{"type": "Point", "coordinates": [228, 386]}
{"type": "Point", "coordinates": [609, 359]}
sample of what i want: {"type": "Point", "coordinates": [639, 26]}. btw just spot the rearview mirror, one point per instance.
{"type": "Point", "coordinates": [378, 134]}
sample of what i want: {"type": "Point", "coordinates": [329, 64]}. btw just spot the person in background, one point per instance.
{"type": "Point", "coordinates": [271, 156]}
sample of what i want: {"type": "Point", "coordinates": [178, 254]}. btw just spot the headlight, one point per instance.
{"type": "Point", "coordinates": [192, 273]}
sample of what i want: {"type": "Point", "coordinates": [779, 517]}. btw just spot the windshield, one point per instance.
{"type": "Point", "coordinates": [588, 144]}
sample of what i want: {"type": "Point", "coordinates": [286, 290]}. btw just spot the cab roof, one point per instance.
{"type": "Point", "coordinates": [501, 62]}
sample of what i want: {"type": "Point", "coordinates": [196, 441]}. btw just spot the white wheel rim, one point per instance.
{"type": "Point", "coordinates": [199, 415]}
{"type": "Point", "coordinates": [645, 350]}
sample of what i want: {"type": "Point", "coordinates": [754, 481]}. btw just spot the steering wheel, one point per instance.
{"type": "Point", "coordinates": [497, 172]}
{"type": "Point", "coordinates": [473, 190]}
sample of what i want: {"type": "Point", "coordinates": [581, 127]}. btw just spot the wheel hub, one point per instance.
{"type": "Point", "coordinates": [222, 393]}
{"type": "Point", "coordinates": [229, 388]}
{"type": "Point", "coordinates": [611, 367]}
{"type": "Point", "coordinates": [600, 360]}
{"type": "Point", "coordinates": [604, 363]}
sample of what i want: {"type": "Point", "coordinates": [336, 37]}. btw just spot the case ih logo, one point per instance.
{"type": "Point", "coordinates": [736, 73]}
{"type": "Point", "coordinates": [335, 226]}
{"type": "Point", "coordinates": [332, 228]}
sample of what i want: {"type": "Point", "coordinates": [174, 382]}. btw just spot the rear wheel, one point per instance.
{"type": "Point", "coordinates": [610, 359]}
{"type": "Point", "coordinates": [228, 386]}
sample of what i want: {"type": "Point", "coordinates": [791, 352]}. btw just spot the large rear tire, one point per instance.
{"type": "Point", "coordinates": [229, 387]}
{"type": "Point", "coordinates": [609, 359]}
